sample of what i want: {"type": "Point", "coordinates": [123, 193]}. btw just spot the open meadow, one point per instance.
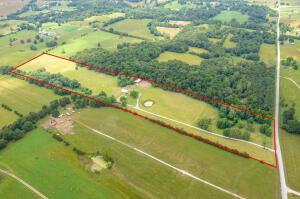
{"type": "Point", "coordinates": [267, 54]}
{"type": "Point", "coordinates": [227, 16]}
{"type": "Point", "coordinates": [184, 57]}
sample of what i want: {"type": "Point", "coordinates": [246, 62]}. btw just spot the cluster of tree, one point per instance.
{"type": "Point", "coordinates": [290, 62]}
{"type": "Point", "coordinates": [51, 43]}
{"type": "Point", "coordinates": [290, 123]}
{"type": "Point", "coordinates": [153, 30]}
{"type": "Point", "coordinates": [23, 125]}
{"type": "Point", "coordinates": [6, 107]}
{"type": "Point", "coordinates": [125, 81]}
{"type": "Point", "coordinates": [236, 133]}
{"type": "Point", "coordinates": [113, 20]}
{"type": "Point", "coordinates": [204, 124]}
{"type": "Point", "coordinates": [242, 84]}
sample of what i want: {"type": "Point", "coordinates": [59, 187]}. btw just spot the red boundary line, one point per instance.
{"type": "Point", "coordinates": [150, 119]}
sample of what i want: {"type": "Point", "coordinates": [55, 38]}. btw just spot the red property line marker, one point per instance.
{"type": "Point", "coordinates": [145, 117]}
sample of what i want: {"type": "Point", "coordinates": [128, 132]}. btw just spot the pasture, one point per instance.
{"type": "Point", "coordinates": [291, 73]}
{"type": "Point", "coordinates": [135, 27]}
{"type": "Point", "coordinates": [104, 18]}
{"type": "Point", "coordinates": [267, 54]}
{"type": "Point", "coordinates": [291, 50]}
{"type": "Point", "coordinates": [291, 94]}
{"type": "Point", "coordinates": [197, 50]}
{"type": "Point", "coordinates": [97, 82]}
{"type": "Point", "coordinates": [23, 96]}
{"type": "Point", "coordinates": [184, 57]}
{"type": "Point", "coordinates": [9, 26]}
{"type": "Point", "coordinates": [7, 117]}
{"type": "Point", "coordinates": [168, 32]}
{"type": "Point", "coordinates": [227, 16]}
{"type": "Point", "coordinates": [181, 151]}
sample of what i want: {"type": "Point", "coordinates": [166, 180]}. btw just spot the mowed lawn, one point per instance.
{"type": "Point", "coordinates": [267, 54]}
{"type": "Point", "coordinates": [23, 96]}
{"type": "Point", "coordinates": [203, 160]}
{"type": "Point", "coordinates": [107, 41]}
{"type": "Point", "coordinates": [136, 27]}
{"type": "Point", "coordinates": [184, 57]}
{"type": "Point", "coordinates": [97, 82]}
{"type": "Point", "coordinates": [12, 189]}
{"type": "Point", "coordinates": [227, 16]}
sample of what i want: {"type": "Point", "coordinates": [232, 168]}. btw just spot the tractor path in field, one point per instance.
{"type": "Point", "coordinates": [183, 172]}
{"type": "Point", "coordinates": [24, 183]}
{"type": "Point", "coordinates": [291, 81]}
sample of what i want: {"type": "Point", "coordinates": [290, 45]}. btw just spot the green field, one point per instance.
{"type": "Point", "coordinates": [12, 189]}
{"type": "Point", "coordinates": [107, 41]}
{"type": "Point", "coordinates": [291, 94]}
{"type": "Point", "coordinates": [22, 96]}
{"type": "Point", "coordinates": [228, 43]}
{"type": "Point", "coordinates": [227, 16]}
{"type": "Point", "coordinates": [291, 73]}
{"type": "Point", "coordinates": [175, 5]}
{"type": "Point", "coordinates": [291, 50]}
{"type": "Point", "coordinates": [197, 50]}
{"type": "Point", "coordinates": [135, 27]}
{"type": "Point", "coordinates": [267, 54]}
{"type": "Point", "coordinates": [200, 159]}
{"type": "Point", "coordinates": [104, 18]}
{"type": "Point", "coordinates": [10, 117]}
{"type": "Point", "coordinates": [184, 57]}
{"type": "Point", "coordinates": [8, 26]}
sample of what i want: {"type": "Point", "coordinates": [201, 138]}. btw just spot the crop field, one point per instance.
{"type": "Point", "coordinates": [9, 6]}
{"type": "Point", "coordinates": [135, 27]}
{"type": "Point", "coordinates": [291, 50]}
{"type": "Point", "coordinates": [168, 32]}
{"type": "Point", "coordinates": [22, 96]}
{"type": "Point", "coordinates": [267, 54]}
{"type": "Point", "coordinates": [181, 152]}
{"type": "Point", "coordinates": [227, 16]}
{"type": "Point", "coordinates": [8, 184]}
{"type": "Point", "coordinates": [184, 57]}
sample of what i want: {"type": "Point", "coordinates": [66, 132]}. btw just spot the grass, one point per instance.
{"type": "Point", "coordinates": [184, 57]}
{"type": "Point", "coordinates": [107, 41]}
{"type": "Point", "coordinates": [8, 26]}
{"type": "Point", "coordinates": [227, 16]}
{"type": "Point", "coordinates": [291, 154]}
{"type": "Point", "coordinates": [104, 18]}
{"type": "Point", "coordinates": [291, 73]}
{"type": "Point", "coordinates": [197, 50]}
{"type": "Point", "coordinates": [291, 50]}
{"type": "Point", "coordinates": [267, 54]}
{"type": "Point", "coordinates": [135, 27]}
{"type": "Point", "coordinates": [175, 5]}
{"type": "Point", "coordinates": [235, 173]}
{"type": "Point", "coordinates": [97, 82]}
{"type": "Point", "coordinates": [11, 189]}
{"type": "Point", "coordinates": [22, 96]}
{"type": "Point", "coordinates": [168, 32]}
{"type": "Point", "coordinates": [9, 116]}
{"type": "Point", "coordinates": [228, 43]}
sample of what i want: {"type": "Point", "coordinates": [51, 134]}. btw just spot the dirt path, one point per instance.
{"type": "Point", "coordinates": [293, 191]}
{"type": "Point", "coordinates": [24, 183]}
{"type": "Point", "coordinates": [186, 173]}
{"type": "Point", "coordinates": [291, 81]}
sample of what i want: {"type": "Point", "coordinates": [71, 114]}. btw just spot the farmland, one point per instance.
{"type": "Point", "coordinates": [291, 50]}
{"type": "Point", "coordinates": [227, 16]}
{"type": "Point", "coordinates": [184, 57]}
{"type": "Point", "coordinates": [168, 32]}
{"type": "Point", "coordinates": [267, 54]}
{"type": "Point", "coordinates": [135, 27]}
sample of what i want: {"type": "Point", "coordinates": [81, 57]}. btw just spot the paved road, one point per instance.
{"type": "Point", "coordinates": [283, 187]}
{"type": "Point", "coordinates": [24, 183]}
{"type": "Point", "coordinates": [186, 173]}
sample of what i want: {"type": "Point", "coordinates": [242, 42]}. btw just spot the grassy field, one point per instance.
{"type": "Point", "coordinates": [184, 57]}
{"type": "Point", "coordinates": [107, 41]}
{"type": "Point", "coordinates": [291, 156]}
{"type": "Point", "coordinates": [168, 32]}
{"type": "Point", "coordinates": [97, 82]}
{"type": "Point", "coordinates": [11, 189]}
{"type": "Point", "coordinates": [291, 73]}
{"type": "Point", "coordinates": [136, 27]}
{"type": "Point", "coordinates": [291, 50]}
{"type": "Point", "coordinates": [200, 159]}
{"type": "Point", "coordinates": [104, 18]}
{"type": "Point", "coordinates": [22, 96]}
{"type": "Point", "coordinates": [175, 5]}
{"type": "Point", "coordinates": [10, 117]}
{"type": "Point", "coordinates": [267, 54]}
{"type": "Point", "coordinates": [197, 50]}
{"type": "Point", "coordinates": [8, 26]}
{"type": "Point", "coordinates": [228, 43]}
{"type": "Point", "coordinates": [227, 16]}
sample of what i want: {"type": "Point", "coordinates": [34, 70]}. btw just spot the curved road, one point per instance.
{"type": "Point", "coordinates": [24, 183]}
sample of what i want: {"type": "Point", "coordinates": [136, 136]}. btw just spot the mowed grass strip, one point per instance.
{"type": "Point", "coordinates": [23, 96]}
{"type": "Point", "coordinates": [97, 82]}
{"type": "Point", "coordinates": [184, 57]}
{"type": "Point", "coordinates": [135, 27]}
{"type": "Point", "coordinates": [12, 189]}
{"type": "Point", "coordinates": [219, 167]}
{"type": "Point", "coordinates": [227, 16]}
